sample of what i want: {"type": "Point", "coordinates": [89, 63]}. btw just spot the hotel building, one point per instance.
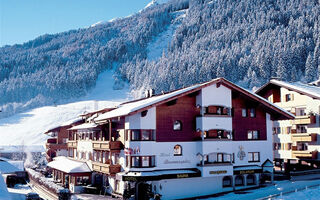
{"type": "Point", "coordinates": [295, 140]}
{"type": "Point", "coordinates": [204, 139]}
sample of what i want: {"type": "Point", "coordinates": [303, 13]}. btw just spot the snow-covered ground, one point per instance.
{"type": "Point", "coordinates": [160, 43]}
{"type": "Point", "coordinates": [27, 128]}
{"type": "Point", "coordinates": [308, 193]}
{"type": "Point", "coordinates": [19, 192]}
{"type": "Point", "coordinates": [279, 187]}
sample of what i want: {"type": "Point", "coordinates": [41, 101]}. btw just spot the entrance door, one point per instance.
{"type": "Point", "coordinates": [142, 191]}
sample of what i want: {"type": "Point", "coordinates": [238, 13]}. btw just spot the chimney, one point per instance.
{"type": "Point", "coordinates": [147, 94]}
{"type": "Point", "coordinates": [151, 92]}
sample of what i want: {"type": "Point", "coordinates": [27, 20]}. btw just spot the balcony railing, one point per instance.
{"type": "Point", "coordinates": [305, 154]}
{"type": "Point", "coordinates": [72, 144]}
{"type": "Point", "coordinates": [106, 168]}
{"type": "Point", "coordinates": [107, 145]}
{"type": "Point", "coordinates": [304, 137]}
{"type": "Point", "coordinates": [311, 119]}
{"type": "Point", "coordinates": [56, 146]}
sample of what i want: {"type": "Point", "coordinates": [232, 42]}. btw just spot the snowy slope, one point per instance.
{"type": "Point", "coordinates": [160, 43]}
{"type": "Point", "coordinates": [27, 128]}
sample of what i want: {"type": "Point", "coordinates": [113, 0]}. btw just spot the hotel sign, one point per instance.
{"type": "Point", "coordinates": [218, 172]}
{"type": "Point", "coordinates": [251, 171]}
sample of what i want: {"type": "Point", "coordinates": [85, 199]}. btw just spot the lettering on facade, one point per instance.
{"type": "Point", "coordinates": [246, 172]}
{"type": "Point", "coordinates": [130, 178]}
{"type": "Point", "coordinates": [164, 155]}
{"type": "Point", "coordinates": [182, 175]}
{"type": "Point", "coordinates": [241, 154]}
{"type": "Point", "coordinates": [218, 172]}
{"type": "Point", "coordinates": [176, 161]}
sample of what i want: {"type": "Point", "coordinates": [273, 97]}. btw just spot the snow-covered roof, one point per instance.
{"type": "Point", "coordinates": [130, 107]}
{"type": "Point", "coordinates": [7, 168]}
{"type": "Point", "coordinates": [125, 109]}
{"type": "Point", "coordinates": [311, 90]}
{"type": "Point", "coordinates": [66, 165]}
{"type": "Point", "coordinates": [84, 126]}
{"type": "Point", "coordinates": [72, 121]}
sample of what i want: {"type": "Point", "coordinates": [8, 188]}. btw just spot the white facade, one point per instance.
{"type": "Point", "coordinates": [194, 152]}
{"type": "Point", "coordinates": [287, 143]}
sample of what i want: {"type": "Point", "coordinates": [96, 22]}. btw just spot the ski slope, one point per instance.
{"type": "Point", "coordinates": [27, 128]}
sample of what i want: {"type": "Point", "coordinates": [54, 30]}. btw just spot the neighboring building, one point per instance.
{"type": "Point", "coordinates": [200, 140]}
{"type": "Point", "coordinates": [56, 145]}
{"type": "Point", "coordinates": [295, 140]}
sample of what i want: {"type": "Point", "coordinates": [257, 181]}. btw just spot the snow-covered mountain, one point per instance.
{"type": "Point", "coordinates": [165, 46]}
{"type": "Point", "coordinates": [27, 128]}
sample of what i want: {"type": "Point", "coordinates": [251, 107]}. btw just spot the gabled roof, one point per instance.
{"type": "Point", "coordinates": [146, 103]}
{"type": "Point", "coordinates": [66, 165]}
{"type": "Point", "coordinates": [302, 88]}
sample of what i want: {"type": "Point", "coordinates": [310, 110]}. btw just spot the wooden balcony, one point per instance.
{"type": "Point", "coordinates": [54, 146]}
{"type": "Point", "coordinates": [106, 145]}
{"type": "Point", "coordinates": [304, 137]}
{"type": "Point", "coordinates": [305, 154]}
{"type": "Point", "coordinates": [106, 168]}
{"type": "Point", "coordinates": [304, 120]}
{"type": "Point", "coordinates": [72, 144]}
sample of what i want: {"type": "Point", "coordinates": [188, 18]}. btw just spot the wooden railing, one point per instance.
{"type": "Point", "coordinates": [304, 137]}
{"type": "Point", "coordinates": [56, 146]}
{"type": "Point", "coordinates": [305, 154]}
{"type": "Point", "coordinates": [72, 143]}
{"type": "Point", "coordinates": [304, 119]}
{"type": "Point", "coordinates": [106, 145]}
{"type": "Point", "coordinates": [106, 168]}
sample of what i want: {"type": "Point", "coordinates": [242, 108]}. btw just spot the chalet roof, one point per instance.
{"type": "Point", "coordinates": [66, 165]}
{"type": "Point", "coordinates": [84, 126]}
{"type": "Point", "coordinates": [65, 124]}
{"type": "Point", "coordinates": [146, 103]}
{"type": "Point", "coordinates": [302, 88]}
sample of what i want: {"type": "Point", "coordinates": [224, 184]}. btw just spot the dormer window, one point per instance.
{"type": "Point", "coordinates": [177, 126]}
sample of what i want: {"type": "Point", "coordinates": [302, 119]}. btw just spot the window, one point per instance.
{"type": "Point", "coordinates": [142, 161]}
{"type": "Point", "coordinates": [140, 135]}
{"type": "Point", "coordinates": [177, 126]}
{"type": "Point", "coordinates": [253, 135]}
{"type": "Point", "coordinates": [177, 150]}
{"type": "Point", "coordinates": [251, 179]}
{"type": "Point", "coordinates": [288, 129]}
{"type": "Point", "coordinates": [252, 112]}
{"type": "Point", "coordinates": [254, 156]}
{"type": "Point", "coordinates": [144, 113]}
{"type": "Point", "coordinates": [227, 181]}
{"type": "Point", "coordinates": [289, 97]}
{"type": "Point", "coordinates": [244, 112]}
{"type": "Point", "coordinates": [239, 180]}
{"type": "Point", "coordinates": [301, 111]}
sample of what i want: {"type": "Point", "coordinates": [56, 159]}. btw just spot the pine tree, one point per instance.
{"type": "Point", "coordinates": [310, 72]}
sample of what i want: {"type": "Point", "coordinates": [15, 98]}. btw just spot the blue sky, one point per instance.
{"type": "Point", "coordinates": [24, 20]}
